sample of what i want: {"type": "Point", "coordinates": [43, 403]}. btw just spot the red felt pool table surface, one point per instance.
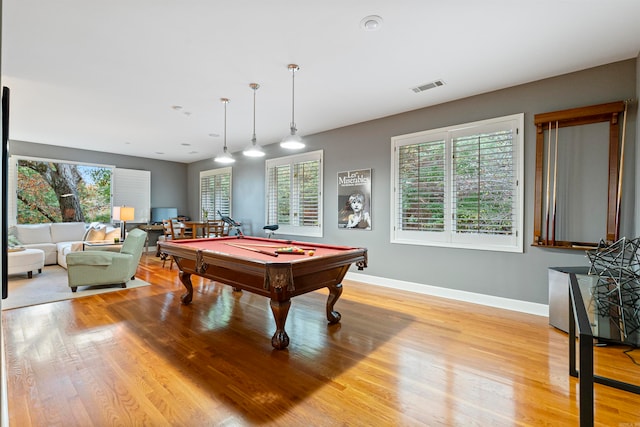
{"type": "Point", "coordinates": [251, 264]}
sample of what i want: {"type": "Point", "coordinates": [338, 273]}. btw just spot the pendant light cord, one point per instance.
{"type": "Point", "coordinates": [253, 140]}
{"type": "Point", "coordinates": [293, 97]}
{"type": "Point", "coordinates": [225, 125]}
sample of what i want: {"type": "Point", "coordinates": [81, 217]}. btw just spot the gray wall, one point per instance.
{"type": "Point", "coordinates": [367, 145]}
{"type": "Point", "coordinates": [168, 179]}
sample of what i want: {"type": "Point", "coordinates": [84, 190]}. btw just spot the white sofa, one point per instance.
{"type": "Point", "coordinates": [58, 239]}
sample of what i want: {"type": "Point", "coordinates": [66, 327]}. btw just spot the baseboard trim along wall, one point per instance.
{"type": "Point", "coordinates": [488, 300]}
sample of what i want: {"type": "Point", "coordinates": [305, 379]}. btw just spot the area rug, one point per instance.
{"type": "Point", "coordinates": [52, 285]}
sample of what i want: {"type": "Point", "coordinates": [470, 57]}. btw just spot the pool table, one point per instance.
{"type": "Point", "coordinates": [274, 268]}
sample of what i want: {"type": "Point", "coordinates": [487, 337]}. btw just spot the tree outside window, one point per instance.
{"type": "Point", "coordinates": [50, 191]}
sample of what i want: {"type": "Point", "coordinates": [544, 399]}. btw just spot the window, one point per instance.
{"type": "Point", "coordinates": [460, 186]}
{"type": "Point", "coordinates": [47, 190]}
{"type": "Point", "coordinates": [294, 194]}
{"type": "Point", "coordinates": [215, 192]}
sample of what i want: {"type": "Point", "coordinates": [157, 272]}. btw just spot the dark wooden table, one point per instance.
{"type": "Point", "coordinates": [195, 226]}
{"type": "Point", "coordinates": [248, 263]}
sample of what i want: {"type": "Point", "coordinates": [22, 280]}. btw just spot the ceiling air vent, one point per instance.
{"type": "Point", "coordinates": [427, 86]}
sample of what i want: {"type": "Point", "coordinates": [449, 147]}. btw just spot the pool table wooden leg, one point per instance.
{"type": "Point", "coordinates": [185, 278]}
{"type": "Point", "coordinates": [334, 293]}
{"type": "Point", "coordinates": [280, 309]}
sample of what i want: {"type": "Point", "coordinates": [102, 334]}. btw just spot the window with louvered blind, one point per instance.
{"type": "Point", "coordinates": [215, 192]}
{"type": "Point", "coordinates": [460, 186]}
{"type": "Point", "coordinates": [294, 194]}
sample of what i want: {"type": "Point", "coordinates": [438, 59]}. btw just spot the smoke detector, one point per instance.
{"type": "Point", "coordinates": [371, 23]}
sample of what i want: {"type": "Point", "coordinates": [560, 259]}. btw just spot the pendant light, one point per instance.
{"type": "Point", "coordinates": [225, 157]}
{"type": "Point", "coordinates": [254, 149]}
{"type": "Point", "coordinates": [292, 141]}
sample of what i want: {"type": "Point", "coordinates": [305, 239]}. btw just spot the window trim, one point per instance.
{"type": "Point", "coordinates": [467, 241]}
{"type": "Point", "coordinates": [298, 230]}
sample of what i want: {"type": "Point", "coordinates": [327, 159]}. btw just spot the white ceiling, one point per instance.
{"type": "Point", "coordinates": [104, 75]}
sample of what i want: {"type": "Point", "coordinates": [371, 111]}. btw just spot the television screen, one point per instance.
{"type": "Point", "coordinates": [158, 214]}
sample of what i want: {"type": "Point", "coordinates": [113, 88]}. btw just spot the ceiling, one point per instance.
{"type": "Point", "coordinates": [145, 77]}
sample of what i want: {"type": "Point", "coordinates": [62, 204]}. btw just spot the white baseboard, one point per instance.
{"type": "Point", "coordinates": [488, 300]}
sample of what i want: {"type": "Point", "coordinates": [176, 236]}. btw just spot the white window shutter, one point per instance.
{"type": "Point", "coordinates": [133, 188]}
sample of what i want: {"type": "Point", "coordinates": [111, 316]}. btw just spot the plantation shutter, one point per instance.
{"type": "Point", "coordinates": [483, 197]}
{"type": "Point", "coordinates": [215, 192]}
{"type": "Point", "coordinates": [132, 187]}
{"type": "Point", "coordinates": [307, 193]}
{"type": "Point", "coordinates": [421, 183]}
{"type": "Point", "coordinates": [279, 195]}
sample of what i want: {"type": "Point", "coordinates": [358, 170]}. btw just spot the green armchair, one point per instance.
{"type": "Point", "coordinates": [105, 268]}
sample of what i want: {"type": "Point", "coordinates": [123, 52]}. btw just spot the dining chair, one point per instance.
{"type": "Point", "coordinates": [177, 229]}
{"type": "Point", "coordinates": [215, 228]}
{"type": "Point", "coordinates": [172, 231]}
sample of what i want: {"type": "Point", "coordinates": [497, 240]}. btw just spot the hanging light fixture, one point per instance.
{"type": "Point", "coordinates": [254, 149]}
{"type": "Point", "coordinates": [225, 157]}
{"type": "Point", "coordinates": [292, 141]}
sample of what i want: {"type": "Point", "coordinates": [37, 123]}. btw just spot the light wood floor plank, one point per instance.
{"type": "Point", "coordinates": [139, 357]}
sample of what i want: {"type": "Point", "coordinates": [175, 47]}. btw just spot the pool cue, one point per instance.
{"type": "Point", "coordinates": [555, 179]}
{"type": "Point", "coordinates": [620, 172]}
{"type": "Point", "coordinates": [277, 246]}
{"type": "Point", "coordinates": [253, 249]}
{"type": "Point", "coordinates": [546, 234]}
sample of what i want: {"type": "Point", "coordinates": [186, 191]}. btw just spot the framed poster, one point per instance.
{"type": "Point", "coordinates": [354, 199]}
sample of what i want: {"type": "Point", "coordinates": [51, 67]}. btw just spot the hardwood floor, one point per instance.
{"type": "Point", "coordinates": [139, 357]}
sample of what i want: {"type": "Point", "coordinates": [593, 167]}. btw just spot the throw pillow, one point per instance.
{"type": "Point", "coordinates": [76, 247]}
{"type": "Point", "coordinates": [94, 235]}
{"type": "Point", "coordinates": [86, 233]}
{"type": "Point", "coordinates": [13, 241]}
